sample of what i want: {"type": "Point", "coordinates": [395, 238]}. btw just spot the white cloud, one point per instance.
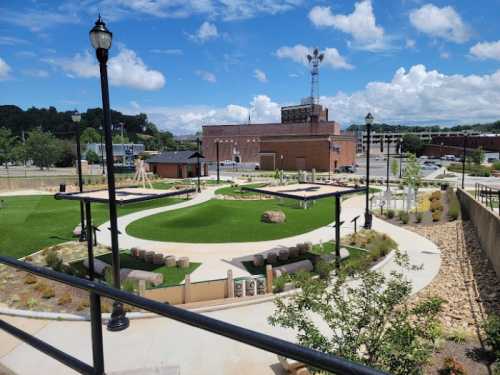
{"type": "Point", "coordinates": [410, 43]}
{"type": "Point", "coordinates": [260, 75]}
{"type": "Point", "coordinates": [223, 9]}
{"type": "Point", "coordinates": [170, 51]}
{"type": "Point", "coordinates": [4, 70]}
{"type": "Point", "coordinates": [125, 69]}
{"type": "Point", "coordinates": [360, 24]}
{"type": "Point", "coordinates": [438, 22]}
{"type": "Point", "coordinates": [444, 55]}
{"type": "Point", "coordinates": [11, 41]}
{"type": "Point", "coordinates": [37, 73]}
{"type": "Point", "coordinates": [37, 20]}
{"type": "Point", "coordinates": [189, 119]}
{"type": "Point", "coordinates": [486, 50]}
{"type": "Point", "coordinates": [206, 76]}
{"type": "Point", "coordinates": [421, 96]}
{"type": "Point", "coordinates": [206, 32]}
{"type": "Point", "coordinates": [298, 53]}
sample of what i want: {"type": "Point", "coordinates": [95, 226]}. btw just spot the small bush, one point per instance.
{"type": "Point", "coordinates": [30, 279]}
{"type": "Point", "coordinates": [458, 336]}
{"type": "Point", "coordinates": [48, 292]}
{"type": "Point", "coordinates": [404, 217]}
{"type": "Point", "coordinates": [496, 165]}
{"type": "Point", "coordinates": [436, 205]}
{"type": "Point", "coordinates": [418, 217]}
{"type": "Point", "coordinates": [436, 215]}
{"type": "Point", "coordinates": [65, 299]}
{"type": "Point", "coordinates": [82, 305]}
{"type": "Point", "coordinates": [53, 260]}
{"type": "Point", "coordinates": [452, 366]}
{"type": "Point", "coordinates": [492, 329]}
{"type": "Point", "coordinates": [390, 214]}
{"type": "Point", "coordinates": [435, 195]}
{"type": "Point", "coordinates": [31, 303]}
{"type": "Point", "coordinates": [41, 286]}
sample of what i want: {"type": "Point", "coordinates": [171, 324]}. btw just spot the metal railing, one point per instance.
{"type": "Point", "coordinates": [97, 290]}
{"type": "Point", "coordinates": [488, 195]}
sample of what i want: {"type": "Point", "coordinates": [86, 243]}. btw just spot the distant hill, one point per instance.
{"type": "Point", "coordinates": [493, 127]}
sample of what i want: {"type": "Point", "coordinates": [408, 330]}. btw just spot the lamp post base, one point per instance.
{"type": "Point", "coordinates": [368, 220]}
{"type": "Point", "coordinates": [83, 235]}
{"type": "Point", "coordinates": [118, 321]}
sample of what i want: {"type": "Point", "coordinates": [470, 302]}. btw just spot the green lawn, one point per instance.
{"type": "Point", "coordinates": [218, 221]}
{"type": "Point", "coordinates": [236, 191]}
{"type": "Point", "coordinates": [29, 223]}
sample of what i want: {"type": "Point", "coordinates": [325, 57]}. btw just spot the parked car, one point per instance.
{"type": "Point", "coordinates": [345, 169]}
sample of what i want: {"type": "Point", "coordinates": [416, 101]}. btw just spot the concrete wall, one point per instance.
{"type": "Point", "coordinates": [487, 225]}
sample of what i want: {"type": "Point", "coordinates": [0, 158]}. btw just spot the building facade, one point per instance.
{"type": "Point", "coordinates": [296, 138]}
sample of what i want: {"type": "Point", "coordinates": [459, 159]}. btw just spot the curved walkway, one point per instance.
{"type": "Point", "coordinates": [163, 343]}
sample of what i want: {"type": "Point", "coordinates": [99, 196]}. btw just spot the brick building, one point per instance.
{"type": "Point", "coordinates": [176, 164]}
{"type": "Point", "coordinates": [316, 143]}
{"type": "Point", "coordinates": [454, 145]}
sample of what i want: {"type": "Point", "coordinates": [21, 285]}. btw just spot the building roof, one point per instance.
{"type": "Point", "coordinates": [173, 157]}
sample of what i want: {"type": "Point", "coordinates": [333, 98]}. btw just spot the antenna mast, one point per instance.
{"type": "Point", "coordinates": [314, 60]}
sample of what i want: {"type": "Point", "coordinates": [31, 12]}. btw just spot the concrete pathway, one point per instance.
{"type": "Point", "coordinates": [160, 342]}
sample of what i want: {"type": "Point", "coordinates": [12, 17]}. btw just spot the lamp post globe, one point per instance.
{"type": "Point", "coordinates": [368, 215]}
{"type": "Point", "coordinates": [101, 38]}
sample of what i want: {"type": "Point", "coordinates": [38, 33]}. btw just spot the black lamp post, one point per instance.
{"type": "Point", "coordinates": [388, 162]}
{"type": "Point", "coordinates": [102, 150]}
{"type": "Point", "coordinates": [76, 117]}
{"type": "Point", "coordinates": [368, 215]}
{"type": "Point", "coordinates": [101, 37]}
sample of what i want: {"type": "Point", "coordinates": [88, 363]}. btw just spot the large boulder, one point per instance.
{"type": "Point", "coordinates": [276, 217]}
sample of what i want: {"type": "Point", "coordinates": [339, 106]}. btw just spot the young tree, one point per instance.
{"type": "Point", "coordinates": [42, 148]}
{"type": "Point", "coordinates": [476, 156]}
{"type": "Point", "coordinates": [7, 142]}
{"type": "Point", "coordinates": [67, 153]}
{"type": "Point", "coordinates": [364, 318]}
{"type": "Point", "coordinates": [412, 143]}
{"type": "Point", "coordinates": [394, 167]}
{"type": "Point", "coordinates": [411, 176]}
{"type": "Point", "coordinates": [90, 135]}
{"type": "Point", "coordinates": [92, 157]}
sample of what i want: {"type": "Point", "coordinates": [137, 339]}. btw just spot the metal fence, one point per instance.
{"type": "Point", "coordinates": [488, 195]}
{"type": "Point", "coordinates": [97, 290]}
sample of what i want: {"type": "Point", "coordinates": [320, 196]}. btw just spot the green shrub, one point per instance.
{"type": "Point", "coordinates": [496, 165]}
{"type": "Point", "coordinates": [435, 195]}
{"type": "Point", "coordinates": [53, 260]}
{"type": "Point", "coordinates": [404, 217]}
{"type": "Point", "coordinates": [452, 366]}
{"type": "Point", "coordinates": [418, 217]}
{"type": "Point", "coordinates": [492, 330]}
{"type": "Point", "coordinates": [458, 336]}
{"type": "Point", "coordinates": [390, 213]}
{"type": "Point", "coordinates": [436, 205]}
{"type": "Point", "coordinates": [436, 215]}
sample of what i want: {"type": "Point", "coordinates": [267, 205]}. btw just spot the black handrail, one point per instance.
{"type": "Point", "coordinates": [272, 344]}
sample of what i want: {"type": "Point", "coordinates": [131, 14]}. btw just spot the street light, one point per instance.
{"type": "Point", "coordinates": [368, 215]}
{"type": "Point", "coordinates": [463, 160]}
{"type": "Point", "coordinates": [217, 155]}
{"type": "Point", "coordinates": [101, 37]}
{"type": "Point", "coordinates": [76, 117]}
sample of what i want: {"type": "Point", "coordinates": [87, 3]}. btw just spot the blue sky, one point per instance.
{"type": "Point", "coordinates": [193, 62]}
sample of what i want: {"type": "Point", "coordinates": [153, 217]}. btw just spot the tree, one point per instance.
{"type": "Point", "coordinates": [411, 173]}
{"type": "Point", "coordinates": [365, 318]}
{"type": "Point", "coordinates": [90, 135]}
{"type": "Point", "coordinates": [19, 154]}
{"type": "Point", "coordinates": [7, 142]}
{"type": "Point", "coordinates": [394, 167]}
{"type": "Point", "coordinates": [118, 139]}
{"type": "Point", "coordinates": [42, 148]}
{"type": "Point", "coordinates": [67, 153]}
{"type": "Point", "coordinates": [412, 143]}
{"type": "Point", "coordinates": [92, 157]}
{"type": "Point", "coordinates": [476, 156]}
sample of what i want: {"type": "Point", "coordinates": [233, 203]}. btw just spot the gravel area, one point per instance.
{"type": "Point", "coordinates": [466, 279]}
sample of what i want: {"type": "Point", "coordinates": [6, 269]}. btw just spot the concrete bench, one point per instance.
{"type": "Point", "coordinates": [152, 277]}
{"type": "Point", "coordinates": [302, 265]}
{"type": "Point", "coordinates": [292, 366]}
{"type": "Point", "coordinates": [99, 266]}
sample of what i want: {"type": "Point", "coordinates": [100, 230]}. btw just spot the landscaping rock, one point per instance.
{"type": "Point", "coordinates": [302, 248]}
{"type": "Point", "coordinates": [309, 246]}
{"type": "Point", "coordinates": [272, 258]}
{"type": "Point", "coordinates": [303, 265]}
{"type": "Point", "coordinates": [134, 252]}
{"type": "Point", "coordinates": [99, 266]}
{"type": "Point", "coordinates": [276, 217]}
{"type": "Point", "coordinates": [258, 260]}
{"type": "Point", "coordinates": [283, 255]}
{"type": "Point", "coordinates": [142, 254]}
{"type": "Point", "coordinates": [183, 262]}
{"type": "Point", "coordinates": [294, 252]}
{"type": "Point", "coordinates": [149, 257]}
{"type": "Point", "coordinates": [170, 261]}
{"type": "Point", "coordinates": [151, 277]}
{"type": "Point", "coordinates": [158, 259]}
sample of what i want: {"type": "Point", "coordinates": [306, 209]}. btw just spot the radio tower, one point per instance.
{"type": "Point", "coordinates": [314, 60]}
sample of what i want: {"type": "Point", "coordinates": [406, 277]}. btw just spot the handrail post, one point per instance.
{"type": "Point", "coordinates": [95, 302]}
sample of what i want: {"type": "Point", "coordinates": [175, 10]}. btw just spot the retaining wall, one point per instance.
{"type": "Point", "coordinates": [487, 225]}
